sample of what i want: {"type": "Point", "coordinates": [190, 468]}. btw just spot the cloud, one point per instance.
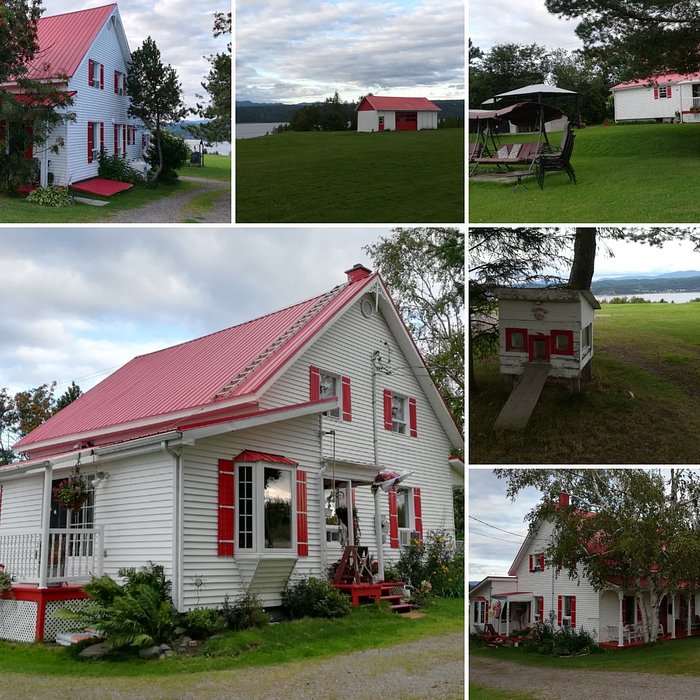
{"type": "Point", "coordinates": [182, 29]}
{"type": "Point", "coordinates": [310, 49]}
{"type": "Point", "coordinates": [78, 302]}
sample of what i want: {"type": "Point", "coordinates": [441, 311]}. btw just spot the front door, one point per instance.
{"type": "Point", "coordinates": [538, 347]}
{"type": "Point", "coordinates": [381, 123]}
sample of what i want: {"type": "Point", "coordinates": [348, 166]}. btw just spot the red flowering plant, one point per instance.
{"type": "Point", "coordinates": [73, 491]}
{"type": "Point", "coordinates": [5, 580]}
{"type": "Point", "coordinates": [385, 479]}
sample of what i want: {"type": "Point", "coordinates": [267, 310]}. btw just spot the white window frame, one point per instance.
{"type": "Point", "coordinates": [121, 83]}
{"type": "Point", "coordinates": [480, 612]}
{"type": "Point", "coordinates": [663, 92]}
{"type": "Point", "coordinates": [405, 531]}
{"type": "Point", "coordinates": [566, 610]}
{"type": "Point", "coordinates": [96, 73]}
{"type": "Point", "coordinates": [96, 143]}
{"type": "Point", "coordinates": [399, 423]}
{"type": "Point", "coordinates": [334, 412]}
{"type": "Point", "coordinates": [258, 508]}
{"type": "Point", "coordinates": [536, 559]}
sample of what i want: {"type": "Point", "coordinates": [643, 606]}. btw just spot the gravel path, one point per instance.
{"type": "Point", "coordinates": [172, 210]}
{"type": "Point", "coordinates": [557, 684]}
{"type": "Point", "coordinates": [432, 667]}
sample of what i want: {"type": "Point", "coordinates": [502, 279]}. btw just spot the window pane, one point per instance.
{"type": "Point", "coordinates": [278, 509]}
{"type": "Point", "coordinates": [245, 507]}
{"type": "Point", "coordinates": [402, 508]}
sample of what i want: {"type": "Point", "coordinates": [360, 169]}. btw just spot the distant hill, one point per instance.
{"type": "Point", "coordinates": [248, 112]}
{"type": "Point", "coordinates": [687, 281]}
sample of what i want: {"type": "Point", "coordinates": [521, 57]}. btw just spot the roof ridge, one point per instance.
{"type": "Point", "coordinates": [75, 12]}
{"type": "Point", "coordinates": [289, 332]}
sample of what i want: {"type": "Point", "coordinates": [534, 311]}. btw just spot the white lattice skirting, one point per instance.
{"type": "Point", "coordinates": [18, 619]}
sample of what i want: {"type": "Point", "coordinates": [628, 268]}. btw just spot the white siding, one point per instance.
{"type": "Point", "coordinates": [21, 504]}
{"type": "Point", "coordinates": [639, 103]}
{"type": "Point", "coordinates": [367, 120]}
{"type": "Point", "coordinates": [295, 439]}
{"type": "Point", "coordinates": [427, 120]}
{"type": "Point", "coordinates": [345, 348]}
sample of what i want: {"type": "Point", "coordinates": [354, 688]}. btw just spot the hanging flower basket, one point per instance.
{"type": "Point", "coordinates": [387, 479]}
{"type": "Point", "coordinates": [72, 492]}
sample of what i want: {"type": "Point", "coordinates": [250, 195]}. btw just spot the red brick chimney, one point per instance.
{"type": "Point", "coordinates": [357, 272]}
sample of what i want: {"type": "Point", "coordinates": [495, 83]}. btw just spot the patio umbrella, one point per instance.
{"type": "Point", "coordinates": [538, 92]}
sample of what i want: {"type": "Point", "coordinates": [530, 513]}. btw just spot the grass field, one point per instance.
{"type": "Point", "coordinates": [351, 177]}
{"type": "Point", "coordinates": [632, 173]}
{"type": "Point", "coordinates": [365, 628]}
{"type": "Point", "coordinates": [650, 350]}
{"type": "Point", "coordinates": [16, 210]}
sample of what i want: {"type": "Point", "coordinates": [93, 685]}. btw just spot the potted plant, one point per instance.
{"type": "Point", "coordinates": [72, 492]}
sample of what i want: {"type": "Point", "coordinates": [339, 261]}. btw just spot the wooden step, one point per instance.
{"type": "Point", "coordinates": [402, 607]}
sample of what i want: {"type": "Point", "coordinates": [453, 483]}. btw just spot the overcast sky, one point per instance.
{"type": "Point", "coordinates": [77, 303]}
{"type": "Point", "coordinates": [493, 22]}
{"type": "Point", "coordinates": [182, 30]}
{"type": "Point", "coordinates": [632, 258]}
{"type": "Point", "coordinates": [304, 50]}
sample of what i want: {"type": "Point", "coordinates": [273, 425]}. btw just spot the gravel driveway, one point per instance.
{"type": "Point", "coordinates": [172, 210]}
{"type": "Point", "coordinates": [432, 667]}
{"type": "Point", "coordinates": [558, 684]}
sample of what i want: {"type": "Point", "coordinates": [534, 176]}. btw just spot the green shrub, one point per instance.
{"type": "Point", "coordinates": [246, 612]}
{"type": "Point", "coordinates": [201, 623]}
{"type": "Point", "coordinates": [436, 561]}
{"type": "Point", "coordinates": [392, 575]}
{"type": "Point", "coordinates": [410, 565]}
{"type": "Point", "coordinates": [51, 196]}
{"type": "Point", "coordinates": [565, 641]}
{"type": "Point", "coordinates": [176, 153]}
{"type": "Point", "coordinates": [116, 167]}
{"type": "Point", "coordinates": [312, 597]}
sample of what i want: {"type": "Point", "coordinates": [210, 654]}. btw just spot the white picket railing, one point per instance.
{"type": "Point", "coordinates": [696, 102]}
{"type": "Point", "coordinates": [75, 555]}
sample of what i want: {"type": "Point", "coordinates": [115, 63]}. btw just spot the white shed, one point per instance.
{"type": "Point", "coordinates": [554, 326]}
{"type": "Point", "coordinates": [662, 97]}
{"type": "Point", "coordinates": [396, 114]}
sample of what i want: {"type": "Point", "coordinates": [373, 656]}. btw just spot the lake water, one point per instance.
{"type": "Point", "coordinates": [250, 131]}
{"type": "Point", "coordinates": [675, 297]}
{"type": "Point", "coordinates": [222, 148]}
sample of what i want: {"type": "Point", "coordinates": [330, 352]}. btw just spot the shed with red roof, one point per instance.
{"type": "Point", "coordinates": [376, 113]}
{"type": "Point", "coordinates": [87, 54]}
{"type": "Point", "coordinates": [667, 97]}
{"type": "Point", "coordinates": [228, 459]}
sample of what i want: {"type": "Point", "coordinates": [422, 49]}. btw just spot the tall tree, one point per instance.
{"type": "Point", "coordinates": [155, 92]}
{"type": "Point", "coordinates": [424, 268]}
{"type": "Point", "coordinates": [651, 36]}
{"type": "Point", "coordinates": [218, 86]}
{"type": "Point", "coordinates": [635, 528]}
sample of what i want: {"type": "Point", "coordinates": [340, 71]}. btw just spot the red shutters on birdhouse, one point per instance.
{"type": "Point", "coordinates": [226, 508]}
{"type": "Point", "coordinates": [302, 515]}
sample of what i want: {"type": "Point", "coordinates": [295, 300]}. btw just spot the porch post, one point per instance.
{"type": "Point", "coordinates": [507, 617]}
{"type": "Point", "coordinates": [378, 534]}
{"type": "Point", "coordinates": [620, 621]}
{"type": "Point", "coordinates": [673, 616]}
{"type": "Point", "coordinates": [351, 513]}
{"type": "Point", "coordinates": [45, 523]}
{"type": "Point", "coordinates": [689, 627]}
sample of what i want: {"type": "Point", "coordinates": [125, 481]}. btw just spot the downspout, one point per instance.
{"type": "Point", "coordinates": [375, 448]}
{"type": "Point", "coordinates": [322, 500]}
{"type": "Point", "coordinates": [176, 454]}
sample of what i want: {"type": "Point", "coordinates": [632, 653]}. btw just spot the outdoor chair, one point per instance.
{"type": "Point", "coordinates": [559, 160]}
{"type": "Point", "coordinates": [613, 632]}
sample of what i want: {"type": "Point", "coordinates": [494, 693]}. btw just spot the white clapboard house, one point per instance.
{"type": "Point", "coordinates": [89, 48]}
{"type": "Point", "coordinates": [375, 113]}
{"type": "Point", "coordinates": [535, 592]}
{"type": "Point", "coordinates": [226, 458]}
{"type": "Point", "coordinates": [668, 97]}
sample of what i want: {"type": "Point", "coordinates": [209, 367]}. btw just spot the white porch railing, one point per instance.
{"type": "Point", "coordinates": [74, 555]}
{"type": "Point", "coordinates": [696, 102]}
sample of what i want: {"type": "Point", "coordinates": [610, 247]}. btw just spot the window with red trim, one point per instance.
{"type": "Point", "coordinates": [324, 385]}
{"type": "Point", "coordinates": [516, 339]}
{"type": "Point", "coordinates": [400, 413]}
{"type": "Point", "coordinates": [562, 343]}
{"type": "Point", "coordinates": [96, 74]}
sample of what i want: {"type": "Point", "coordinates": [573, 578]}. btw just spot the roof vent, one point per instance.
{"type": "Point", "coordinates": [357, 272]}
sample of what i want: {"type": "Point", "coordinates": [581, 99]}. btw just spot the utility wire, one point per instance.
{"type": "Point", "coordinates": [491, 537]}
{"type": "Point", "coordinates": [515, 534]}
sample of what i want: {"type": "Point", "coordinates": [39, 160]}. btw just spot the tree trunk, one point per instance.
{"type": "Point", "coordinates": [583, 266]}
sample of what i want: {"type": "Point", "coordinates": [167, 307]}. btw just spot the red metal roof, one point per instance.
{"type": "Point", "coordinates": [664, 79]}
{"type": "Point", "coordinates": [400, 104]}
{"type": "Point", "coordinates": [199, 374]}
{"type": "Point", "coordinates": [251, 456]}
{"type": "Point", "coordinates": [65, 39]}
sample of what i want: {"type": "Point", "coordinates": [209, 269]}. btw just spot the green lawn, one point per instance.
{"type": "Point", "coordinates": [365, 628]}
{"type": "Point", "coordinates": [215, 168]}
{"type": "Point", "coordinates": [681, 656]}
{"type": "Point", "coordinates": [632, 173]}
{"type": "Point", "coordinates": [351, 177]}
{"type": "Point", "coordinates": [650, 350]}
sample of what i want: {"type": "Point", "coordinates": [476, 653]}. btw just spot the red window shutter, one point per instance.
{"type": "Point", "coordinates": [486, 613]}
{"type": "Point", "coordinates": [302, 516]}
{"type": "Point", "coordinates": [102, 77]}
{"type": "Point", "coordinates": [91, 70]}
{"type": "Point", "coordinates": [347, 404]}
{"type": "Point", "coordinates": [573, 612]}
{"type": "Point", "coordinates": [532, 566]}
{"type": "Point", "coordinates": [656, 93]}
{"type": "Point", "coordinates": [639, 611]}
{"type": "Point", "coordinates": [413, 417]}
{"type": "Point", "coordinates": [542, 561]}
{"type": "Point", "coordinates": [89, 142]}
{"type": "Point", "coordinates": [418, 513]}
{"type": "Point", "coordinates": [560, 603]}
{"type": "Point", "coordinates": [227, 486]}
{"type": "Point", "coordinates": [116, 139]}
{"type": "Point", "coordinates": [124, 138]}
{"type": "Point", "coordinates": [29, 131]}
{"type": "Point", "coordinates": [540, 602]}
{"type": "Point", "coordinates": [387, 409]}
{"type": "Point", "coordinates": [393, 520]}
{"type": "Point", "coordinates": [102, 136]}
{"type": "Point", "coordinates": [668, 92]}
{"type": "Point", "coordinates": [314, 383]}
{"type": "Point", "coordinates": [116, 82]}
